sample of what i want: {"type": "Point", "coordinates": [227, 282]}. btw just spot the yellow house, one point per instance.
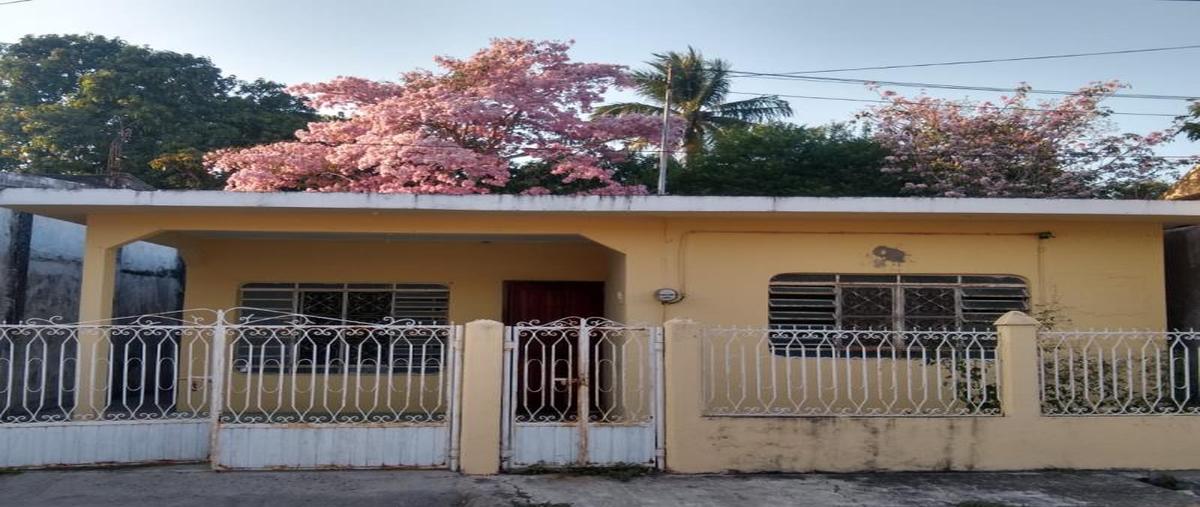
{"type": "Point", "coordinates": [1094, 263]}
{"type": "Point", "coordinates": [893, 289]}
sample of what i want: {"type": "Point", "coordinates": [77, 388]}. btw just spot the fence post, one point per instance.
{"type": "Point", "coordinates": [683, 392]}
{"type": "Point", "coordinates": [482, 390]}
{"type": "Point", "coordinates": [217, 386]}
{"type": "Point", "coordinates": [1017, 348]}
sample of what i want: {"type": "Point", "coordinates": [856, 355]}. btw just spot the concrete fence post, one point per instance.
{"type": "Point", "coordinates": [482, 388]}
{"type": "Point", "coordinates": [1017, 350]}
{"type": "Point", "coordinates": [684, 396]}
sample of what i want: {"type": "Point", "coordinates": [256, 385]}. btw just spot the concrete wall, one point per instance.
{"type": "Point", "coordinates": [150, 277]}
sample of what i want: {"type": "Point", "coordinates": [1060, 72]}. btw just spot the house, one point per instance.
{"type": "Point", "coordinates": [695, 333]}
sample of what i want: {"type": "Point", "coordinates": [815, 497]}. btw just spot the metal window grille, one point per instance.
{"type": "Point", "coordinates": [350, 313]}
{"type": "Point", "coordinates": [898, 303]}
{"type": "Point", "coordinates": [893, 302]}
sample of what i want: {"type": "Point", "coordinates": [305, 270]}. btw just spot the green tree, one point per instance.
{"type": "Point", "coordinates": [69, 103]}
{"type": "Point", "coordinates": [1190, 123]}
{"type": "Point", "coordinates": [698, 91]}
{"type": "Point", "coordinates": [780, 159]}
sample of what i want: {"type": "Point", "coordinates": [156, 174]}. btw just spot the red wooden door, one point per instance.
{"type": "Point", "coordinates": [550, 301]}
{"type": "Point", "coordinates": [547, 383]}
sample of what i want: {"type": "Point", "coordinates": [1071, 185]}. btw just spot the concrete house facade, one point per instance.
{"type": "Point", "coordinates": [696, 334]}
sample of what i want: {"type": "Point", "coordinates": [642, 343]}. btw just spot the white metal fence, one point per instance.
{"type": "Point", "coordinates": [792, 372]}
{"type": "Point", "coordinates": [312, 372]}
{"type": "Point", "coordinates": [290, 391]}
{"type": "Point", "coordinates": [139, 369]}
{"type": "Point", "coordinates": [1119, 372]}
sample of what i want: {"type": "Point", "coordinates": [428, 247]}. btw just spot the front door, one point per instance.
{"type": "Point", "coordinates": [549, 372]}
{"type": "Point", "coordinates": [550, 301]}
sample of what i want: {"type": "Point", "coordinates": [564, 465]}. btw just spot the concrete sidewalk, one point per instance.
{"type": "Point", "coordinates": [197, 486]}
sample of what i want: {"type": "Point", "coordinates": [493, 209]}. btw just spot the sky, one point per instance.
{"type": "Point", "coordinates": [295, 41]}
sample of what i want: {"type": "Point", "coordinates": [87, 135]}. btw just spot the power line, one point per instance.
{"type": "Point", "coordinates": [15, 2]}
{"type": "Point", "coordinates": [1179, 157]}
{"type": "Point", "coordinates": [444, 147]}
{"type": "Point", "coordinates": [996, 60]}
{"type": "Point", "coordinates": [963, 106]}
{"type": "Point", "coordinates": [909, 84]}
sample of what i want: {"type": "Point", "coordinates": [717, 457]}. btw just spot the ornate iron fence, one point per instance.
{"type": "Point", "coordinates": [1119, 372]}
{"type": "Point", "coordinates": [300, 369]}
{"type": "Point", "coordinates": [791, 372]}
{"type": "Point", "coordinates": [151, 367]}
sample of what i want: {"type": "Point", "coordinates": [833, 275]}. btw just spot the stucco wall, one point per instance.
{"type": "Point", "coordinates": [1087, 275]}
{"type": "Point", "coordinates": [1082, 273]}
{"type": "Point", "coordinates": [474, 270]}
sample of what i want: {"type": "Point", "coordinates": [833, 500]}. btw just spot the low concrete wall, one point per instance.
{"type": "Point", "coordinates": [1020, 439]}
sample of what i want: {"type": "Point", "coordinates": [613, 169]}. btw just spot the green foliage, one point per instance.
{"type": "Point", "coordinates": [64, 99]}
{"type": "Point", "coordinates": [636, 170]}
{"type": "Point", "coordinates": [1191, 122]}
{"type": "Point", "coordinates": [781, 159]}
{"type": "Point", "coordinates": [699, 88]}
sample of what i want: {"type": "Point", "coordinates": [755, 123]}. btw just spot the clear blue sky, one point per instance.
{"type": "Point", "coordinates": [308, 40]}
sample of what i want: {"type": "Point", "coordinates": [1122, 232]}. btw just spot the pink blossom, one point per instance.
{"type": "Point", "coordinates": [1061, 148]}
{"type": "Point", "coordinates": [454, 132]}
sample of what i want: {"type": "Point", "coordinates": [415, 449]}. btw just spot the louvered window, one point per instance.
{"type": "Point", "coordinates": [339, 333]}
{"type": "Point", "coordinates": [893, 302]}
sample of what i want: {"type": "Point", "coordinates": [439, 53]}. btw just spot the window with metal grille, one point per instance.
{"type": "Point", "coordinates": [893, 302]}
{"type": "Point", "coordinates": [799, 302]}
{"type": "Point", "coordinates": [339, 328]}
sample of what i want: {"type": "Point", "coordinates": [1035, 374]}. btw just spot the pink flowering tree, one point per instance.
{"type": "Point", "coordinates": [1016, 147]}
{"type": "Point", "coordinates": [459, 131]}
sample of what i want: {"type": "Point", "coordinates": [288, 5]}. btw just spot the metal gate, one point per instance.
{"type": "Point", "coordinates": [582, 391]}
{"type": "Point", "coordinates": [264, 390]}
{"type": "Point", "coordinates": [299, 391]}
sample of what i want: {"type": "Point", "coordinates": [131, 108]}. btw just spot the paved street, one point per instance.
{"type": "Point", "coordinates": [197, 486]}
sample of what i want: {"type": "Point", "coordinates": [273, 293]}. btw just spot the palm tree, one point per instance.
{"type": "Point", "coordinates": [698, 90]}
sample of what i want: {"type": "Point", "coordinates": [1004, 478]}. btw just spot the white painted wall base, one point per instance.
{"type": "Point", "coordinates": [102, 442]}
{"type": "Point", "coordinates": [245, 446]}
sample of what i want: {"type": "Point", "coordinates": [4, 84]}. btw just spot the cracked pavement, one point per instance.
{"type": "Point", "coordinates": [195, 485]}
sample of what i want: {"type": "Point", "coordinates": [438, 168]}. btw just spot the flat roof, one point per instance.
{"type": "Point", "coordinates": [74, 204]}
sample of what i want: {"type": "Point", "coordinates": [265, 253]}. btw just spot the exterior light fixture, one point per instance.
{"type": "Point", "coordinates": [668, 296]}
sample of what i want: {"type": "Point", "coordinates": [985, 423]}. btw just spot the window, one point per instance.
{"type": "Point", "coordinates": [339, 334]}
{"type": "Point", "coordinates": [893, 302]}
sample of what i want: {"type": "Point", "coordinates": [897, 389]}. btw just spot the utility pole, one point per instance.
{"type": "Point", "coordinates": [663, 153]}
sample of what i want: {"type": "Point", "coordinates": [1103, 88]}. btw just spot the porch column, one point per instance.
{"type": "Point", "coordinates": [482, 389]}
{"type": "Point", "coordinates": [96, 293]}
{"type": "Point", "coordinates": [1017, 350]}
